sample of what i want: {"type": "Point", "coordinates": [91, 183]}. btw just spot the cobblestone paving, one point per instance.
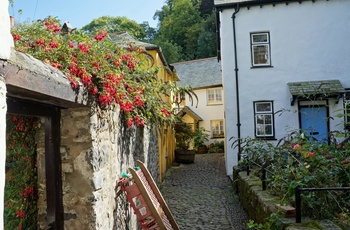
{"type": "Point", "coordinates": [200, 195]}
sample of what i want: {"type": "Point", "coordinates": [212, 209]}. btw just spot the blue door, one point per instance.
{"type": "Point", "coordinates": [314, 122]}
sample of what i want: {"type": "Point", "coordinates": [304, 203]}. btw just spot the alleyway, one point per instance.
{"type": "Point", "coordinates": [200, 195]}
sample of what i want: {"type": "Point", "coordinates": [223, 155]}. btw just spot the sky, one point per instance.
{"type": "Point", "coordinates": [81, 12]}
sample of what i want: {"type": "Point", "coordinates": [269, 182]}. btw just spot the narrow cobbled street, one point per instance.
{"type": "Point", "coordinates": [201, 196]}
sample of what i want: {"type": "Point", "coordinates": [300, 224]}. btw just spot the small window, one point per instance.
{"type": "Point", "coordinates": [214, 96]}
{"type": "Point", "coordinates": [217, 129]}
{"type": "Point", "coordinates": [347, 109]}
{"type": "Point", "coordinates": [264, 119]}
{"type": "Point", "coordinates": [260, 49]}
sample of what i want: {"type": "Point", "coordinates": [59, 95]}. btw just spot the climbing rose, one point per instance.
{"type": "Point", "coordinates": [296, 146]}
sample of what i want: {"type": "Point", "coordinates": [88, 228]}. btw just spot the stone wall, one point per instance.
{"type": "Point", "coordinates": [96, 148]}
{"type": "Point", "coordinates": [256, 202]}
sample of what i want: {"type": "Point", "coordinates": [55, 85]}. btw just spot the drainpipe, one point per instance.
{"type": "Point", "coordinates": [237, 86]}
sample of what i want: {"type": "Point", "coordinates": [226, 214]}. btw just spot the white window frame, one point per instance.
{"type": "Point", "coordinates": [214, 124]}
{"type": "Point", "coordinates": [264, 116]}
{"type": "Point", "coordinates": [265, 44]}
{"type": "Point", "coordinates": [216, 96]}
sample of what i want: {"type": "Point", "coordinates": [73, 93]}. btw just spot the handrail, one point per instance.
{"type": "Point", "coordinates": [298, 191]}
{"type": "Point", "coordinates": [263, 172]}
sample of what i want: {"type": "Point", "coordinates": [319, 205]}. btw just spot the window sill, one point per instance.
{"type": "Point", "coordinates": [266, 138]}
{"type": "Point", "coordinates": [217, 137]}
{"type": "Point", "coordinates": [258, 67]}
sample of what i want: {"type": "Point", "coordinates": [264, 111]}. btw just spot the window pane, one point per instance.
{"type": "Point", "coordinates": [268, 130]}
{"type": "Point", "coordinates": [268, 119]}
{"type": "Point", "coordinates": [218, 95]}
{"type": "Point", "coordinates": [260, 131]}
{"type": "Point", "coordinates": [260, 119]}
{"type": "Point", "coordinates": [259, 38]}
{"type": "Point", "coordinates": [261, 54]}
{"type": "Point", "coordinates": [263, 107]}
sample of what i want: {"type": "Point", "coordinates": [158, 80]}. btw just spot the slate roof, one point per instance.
{"type": "Point", "coordinates": [123, 37]}
{"type": "Point", "coordinates": [202, 73]}
{"type": "Point", "coordinates": [307, 88]}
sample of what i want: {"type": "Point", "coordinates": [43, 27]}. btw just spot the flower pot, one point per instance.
{"type": "Point", "coordinates": [185, 156]}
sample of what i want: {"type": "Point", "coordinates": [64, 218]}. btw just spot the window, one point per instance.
{"type": "Point", "coordinates": [214, 96]}
{"type": "Point", "coordinates": [260, 49]}
{"type": "Point", "coordinates": [347, 109]}
{"type": "Point", "coordinates": [264, 120]}
{"type": "Point", "coordinates": [217, 128]}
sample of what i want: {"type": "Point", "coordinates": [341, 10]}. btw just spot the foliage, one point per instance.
{"type": "Point", "coordinates": [115, 25]}
{"type": "Point", "coordinates": [114, 74]}
{"type": "Point", "coordinates": [20, 211]}
{"type": "Point", "coordinates": [183, 135]}
{"type": "Point", "coordinates": [301, 161]}
{"type": "Point", "coordinates": [189, 25]}
{"type": "Point", "coordinates": [217, 147]}
{"type": "Point", "coordinates": [271, 223]}
{"type": "Point", "coordinates": [201, 135]}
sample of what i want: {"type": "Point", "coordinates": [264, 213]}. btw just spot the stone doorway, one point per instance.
{"type": "Point", "coordinates": [49, 160]}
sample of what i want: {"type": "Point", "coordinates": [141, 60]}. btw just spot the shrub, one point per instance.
{"type": "Point", "coordinates": [300, 161]}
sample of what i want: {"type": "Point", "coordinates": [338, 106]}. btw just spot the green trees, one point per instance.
{"type": "Point", "coordinates": [188, 28]}
{"type": "Point", "coordinates": [114, 25]}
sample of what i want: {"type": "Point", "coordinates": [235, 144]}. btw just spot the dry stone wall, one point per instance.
{"type": "Point", "coordinates": [96, 147]}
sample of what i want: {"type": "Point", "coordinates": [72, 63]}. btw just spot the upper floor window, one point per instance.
{"type": "Point", "coordinates": [264, 120]}
{"type": "Point", "coordinates": [260, 49]}
{"type": "Point", "coordinates": [214, 96]}
{"type": "Point", "coordinates": [217, 128]}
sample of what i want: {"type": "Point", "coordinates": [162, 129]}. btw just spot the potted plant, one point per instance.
{"type": "Point", "coordinates": [201, 135]}
{"type": "Point", "coordinates": [184, 136]}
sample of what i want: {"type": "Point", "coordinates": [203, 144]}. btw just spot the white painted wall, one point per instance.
{"type": "Point", "coordinates": [206, 112]}
{"type": "Point", "coordinates": [6, 43]}
{"type": "Point", "coordinates": [309, 41]}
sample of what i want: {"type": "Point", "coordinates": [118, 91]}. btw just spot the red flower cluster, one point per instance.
{"type": "Point", "coordinates": [129, 61]}
{"type": "Point", "coordinates": [20, 214]}
{"type": "Point", "coordinates": [40, 42]}
{"type": "Point", "coordinates": [126, 106]}
{"type": "Point", "coordinates": [101, 36]}
{"type": "Point", "coordinates": [165, 112]}
{"type": "Point", "coordinates": [83, 48]}
{"type": "Point", "coordinates": [29, 191]}
{"type": "Point", "coordinates": [139, 121]}
{"type": "Point", "coordinates": [20, 126]}
{"type": "Point", "coordinates": [138, 101]}
{"type": "Point", "coordinates": [16, 37]}
{"type": "Point", "coordinates": [52, 26]}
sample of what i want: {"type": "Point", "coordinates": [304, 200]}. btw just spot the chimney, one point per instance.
{"type": "Point", "coordinates": [12, 21]}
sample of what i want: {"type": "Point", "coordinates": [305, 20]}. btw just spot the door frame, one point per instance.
{"type": "Point", "coordinates": [316, 103]}
{"type": "Point", "coordinates": [53, 166]}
